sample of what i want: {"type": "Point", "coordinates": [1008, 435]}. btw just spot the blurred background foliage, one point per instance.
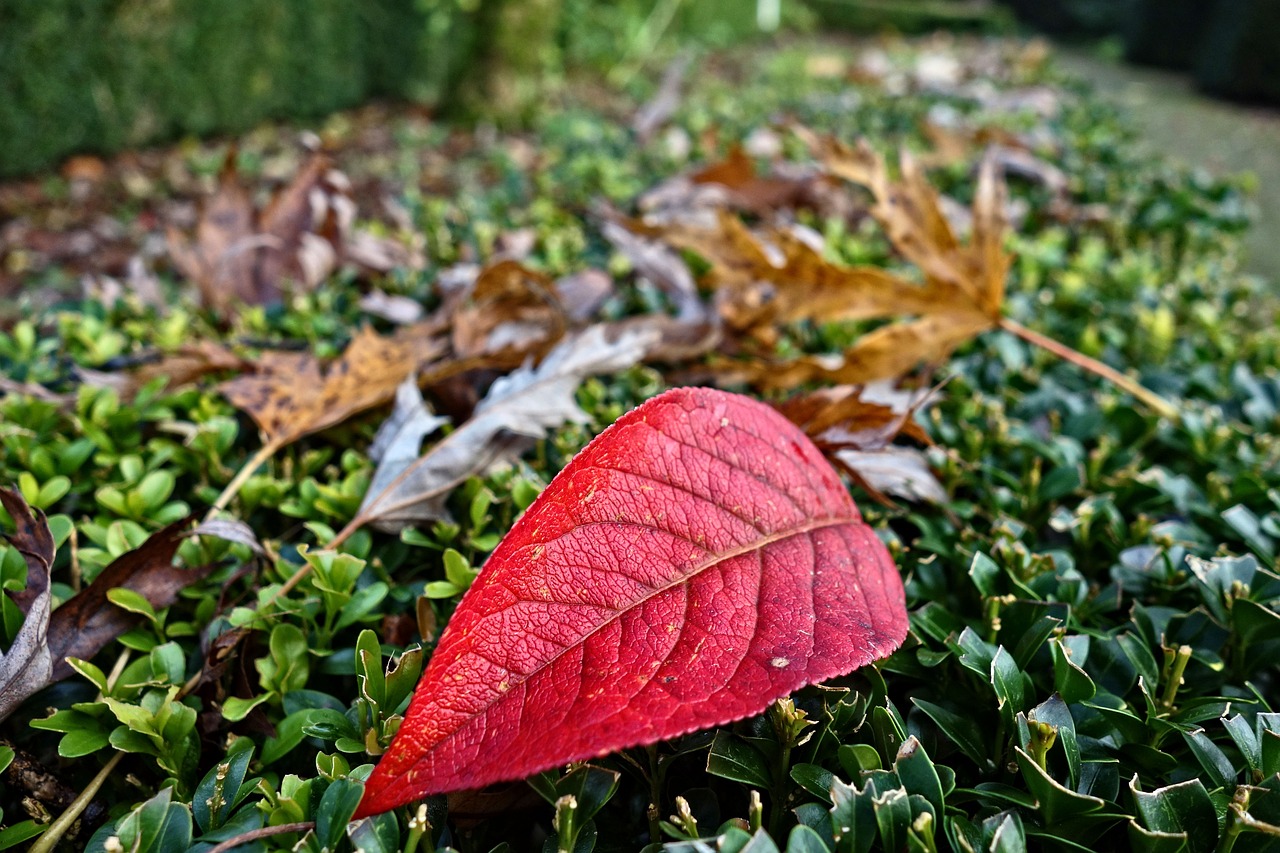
{"type": "Point", "coordinates": [102, 75]}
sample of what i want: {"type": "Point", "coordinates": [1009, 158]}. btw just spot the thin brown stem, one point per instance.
{"type": "Point", "coordinates": [51, 836]}
{"type": "Point", "coordinates": [264, 832]}
{"type": "Point", "coordinates": [1160, 405]}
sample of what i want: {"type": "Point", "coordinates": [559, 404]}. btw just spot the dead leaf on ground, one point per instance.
{"type": "Point", "coordinates": [963, 288]}
{"type": "Point", "coordinates": [523, 405]}
{"type": "Point", "coordinates": [509, 313]}
{"type": "Point", "coordinates": [584, 293]}
{"type": "Point", "coordinates": [291, 395]}
{"type": "Point", "coordinates": [855, 426]}
{"type": "Point", "coordinates": [183, 366]}
{"type": "Point", "coordinates": [659, 109]}
{"type": "Point", "coordinates": [241, 254]}
{"type": "Point", "coordinates": [85, 624]}
{"type": "Point", "coordinates": [27, 665]}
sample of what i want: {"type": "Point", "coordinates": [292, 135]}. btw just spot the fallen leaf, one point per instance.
{"type": "Point", "coordinates": [663, 268]}
{"type": "Point", "coordinates": [510, 312]}
{"type": "Point", "coordinates": [242, 255]}
{"type": "Point", "coordinates": [290, 395]}
{"type": "Point", "coordinates": [26, 666]}
{"type": "Point", "coordinates": [400, 310]}
{"type": "Point", "coordinates": [584, 293]}
{"type": "Point", "coordinates": [961, 296]}
{"type": "Point", "coordinates": [520, 406]}
{"type": "Point", "coordinates": [230, 530]}
{"type": "Point", "coordinates": [695, 562]}
{"type": "Point", "coordinates": [183, 366]}
{"type": "Point", "coordinates": [398, 441]}
{"type": "Point", "coordinates": [88, 621]}
{"type": "Point", "coordinates": [855, 427]}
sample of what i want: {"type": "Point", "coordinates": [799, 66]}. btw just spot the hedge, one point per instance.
{"type": "Point", "coordinates": [99, 75]}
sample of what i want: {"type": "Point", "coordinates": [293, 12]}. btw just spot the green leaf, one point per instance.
{"type": "Point", "coordinates": [1055, 802]}
{"type": "Point", "coordinates": [134, 602]}
{"type": "Point", "coordinates": [760, 843]}
{"type": "Point", "coordinates": [733, 758]}
{"type": "Point", "coordinates": [235, 709]}
{"type": "Point", "coordinates": [917, 773]}
{"type": "Point", "coordinates": [1071, 682]}
{"type": "Point", "coordinates": [1150, 841]}
{"type": "Point", "coordinates": [814, 779]}
{"type": "Point", "coordinates": [336, 808]}
{"type": "Point", "coordinates": [1009, 683]}
{"type": "Point", "coordinates": [377, 834]}
{"type": "Point", "coordinates": [1185, 807]}
{"type": "Point", "coordinates": [1245, 739]}
{"type": "Point", "coordinates": [962, 731]}
{"type": "Point", "coordinates": [218, 791]}
{"type": "Point", "coordinates": [804, 840]}
{"type": "Point", "coordinates": [1215, 763]}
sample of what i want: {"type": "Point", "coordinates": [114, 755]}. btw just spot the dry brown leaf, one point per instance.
{"type": "Point", "coordinates": [583, 293]}
{"type": "Point", "coordinates": [855, 426]}
{"type": "Point", "coordinates": [25, 667]}
{"type": "Point", "coordinates": [763, 284]}
{"type": "Point", "coordinates": [508, 314]}
{"type": "Point", "coordinates": [183, 366]}
{"type": "Point", "coordinates": [86, 623]}
{"type": "Point", "coordinates": [290, 395]}
{"type": "Point", "coordinates": [963, 289]}
{"type": "Point", "coordinates": [241, 255]}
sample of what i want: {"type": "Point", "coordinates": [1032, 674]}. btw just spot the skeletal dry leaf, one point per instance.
{"type": "Point", "coordinates": [523, 405]}
{"type": "Point", "coordinates": [290, 395]}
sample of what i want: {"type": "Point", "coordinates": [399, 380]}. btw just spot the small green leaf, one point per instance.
{"type": "Point", "coordinates": [336, 808]}
{"type": "Point", "coordinates": [733, 758]}
{"type": "Point", "coordinates": [1181, 808]}
{"type": "Point", "coordinates": [1071, 682]}
{"type": "Point", "coordinates": [134, 602]}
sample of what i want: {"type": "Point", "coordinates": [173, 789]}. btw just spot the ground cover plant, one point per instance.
{"type": "Point", "coordinates": [257, 529]}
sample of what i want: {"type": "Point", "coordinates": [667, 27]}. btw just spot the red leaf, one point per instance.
{"type": "Point", "coordinates": [695, 562]}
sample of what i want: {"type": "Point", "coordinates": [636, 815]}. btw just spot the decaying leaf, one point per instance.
{"type": "Point", "coordinates": [86, 623]}
{"type": "Point", "coordinates": [242, 255]}
{"type": "Point", "coordinates": [960, 297]}
{"type": "Point", "coordinates": [698, 560]}
{"type": "Point", "coordinates": [510, 312]}
{"type": "Point", "coordinates": [185, 365]}
{"type": "Point", "coordinates": [855, 427]}
{"type": "Point", "coordinates": [522, 405]}
{"type": "Point", "coordinates": [26, 666]}
{"type": "Point", "coordinates": [658, 110]}
{"type": "Point", "coordinates": [290, 395]}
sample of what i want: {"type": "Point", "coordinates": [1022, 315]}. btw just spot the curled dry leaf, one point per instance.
{"type": "Point", "coordinates": [963, 289]}
{"type": "Point", "coordinates": [510, 312]}
{"type": "Point", "coordinates": [855, 427]}
{"type": "Point", "coordinates": [658, 110]}
{"type": "Point", "coordinates": [186, 364]}
{"type": "Point", "coordinates": [290, 395]}
{"type": "Point", "coordinates": [242, 255]}
{"type": "Point", "coordinates": [698, 560]}
{"type": "Point", "coordinates": [523, 405]}
{"type": "Point", "coordinates": [27, 664]}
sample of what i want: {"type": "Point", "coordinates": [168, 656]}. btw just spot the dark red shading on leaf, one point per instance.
{"type": "Point", "coordinates": [695, 562]}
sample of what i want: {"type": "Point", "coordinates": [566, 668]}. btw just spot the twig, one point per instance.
{"type": "Point", "coordinates": [50, 837]}
{"type": "Point", "coordinates": [263, 832]}
{"type": "Point", "coordinates": [1159, 404]}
